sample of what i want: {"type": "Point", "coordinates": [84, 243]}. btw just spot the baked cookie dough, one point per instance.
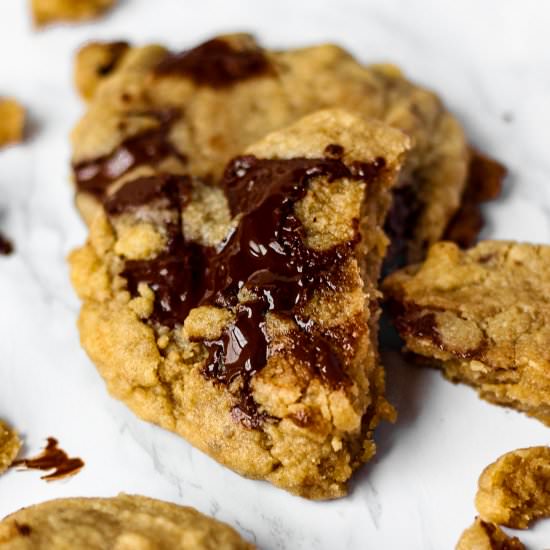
{"type": "Point", "coordinates": [50, 11]}
{"type": "Point", "coordinates": [12, 122]}
{"type": "Point", "coordinates": [125, 522]}
{"type": "Point", "coordinates": [487, 536]}
{"type": "Point", "coordinates": [191, 112]}
{"type": "Point", "coordinates": [482, 316]}
{"type": "Point", "coordinates": [9, 446]}
{"type": "Point", "coordinates": [515, 490]}
{"type": "Point", "coordinates": [243, 313]}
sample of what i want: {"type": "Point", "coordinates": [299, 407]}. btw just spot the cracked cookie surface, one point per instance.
{"type": "Point", "coordinates": [515, 489]}
{"type": "Point", "coordinates": [195, 110]}
{"type": "Point", "coordinates": [9, 446]}
{"type": "Point", "coordinates": [122, 522]}
{"type": "Point", "coordinates": [482, 535]}
{"type": "Point", "coordinates": [243, 314]}
{"type": "Point", "coordinates": [482, 316]}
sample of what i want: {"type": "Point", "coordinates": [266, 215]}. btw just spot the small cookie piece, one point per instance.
{"type": "Point", "coordinates": [487, 536]}
{"type": "Point", "coordinates": [515, 489]}
{"type": "Point", "coordinates": [9, 446]}
{"type": "Point", "coordinates": [195, 110]}
{"type": "Point", "coordinates": [12, 122]}
{"type": "Point", "coordinates": [483, 316]}
{"type": "Point", "coordinates": [124, 522]}
{"type": "Point", "coordinates": [94, 62]}
{"type": "Point", "coordinates": [50, 11]}
{"type": "Point", "coordinates": [243, 313]}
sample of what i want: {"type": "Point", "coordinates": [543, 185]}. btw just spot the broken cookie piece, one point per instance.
{"type": "Point", "coordinates": [481, 315]}
{"type": "Point", "coordinates": [12, 122]}
{"type": "Point", "coordinates": [243, 314]}
{"type": "Point", "coordinates": [487, 536]}
{"type": "Point", "coordinates": [515, 490]}
{"type": "Point", "coordinates": [9, 446]}
{"type": "Point", "coordinates": [50, 11]}
{"type": "Point", "coordinates": [122, 522]}
{"type": "Point", "coordinates": [193, 111]}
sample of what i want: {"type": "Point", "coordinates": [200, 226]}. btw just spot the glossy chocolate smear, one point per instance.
{"type": "Point", "coordinates": [216, 63]}
{"type": "Point", "coordinates": [265, 255]}
{"type": "Point", "coordinates": [149, 147]}
{"type": "Point", "coordinates": [52, 458]}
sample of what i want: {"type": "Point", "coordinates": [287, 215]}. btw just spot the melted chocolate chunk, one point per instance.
{"type": "Point", "coordinates": [116, 51]}
{"type": "Point", "coordinates": [400, 225]}
{"type": "Point", "coordinates": [265, 254]}
{"type": "Point", "coordinates": [333, 150]}
{"type": "Point", "coordinates": [23, 529]}
{"type": "Point", "coordinates": [149, 147]}
{"type": "Point", "coordinates": [52, 458]}
{"type": "Point", "coordinates": [6, 246]}
{"type": "Point", "coordinates": [484, 184]}
{"type": "Point", "coordinates": [216, 63]}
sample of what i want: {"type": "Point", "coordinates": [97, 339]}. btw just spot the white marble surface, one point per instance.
{"type": "Point", "coordinates": [489, 60]}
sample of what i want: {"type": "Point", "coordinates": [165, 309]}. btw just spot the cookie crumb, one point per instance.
{"type": "Point", "coordinates": [50, 11]}
{"type": "Point", "coordinates": [10, 443]}
{"type": "Point", "coordinates": [487, 536]}
{"type": "Point", "coordinates": [515, 489]}
{"type": "Point", "coordinates": [12, 122]}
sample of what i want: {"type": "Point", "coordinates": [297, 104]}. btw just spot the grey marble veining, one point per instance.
{"type": "Point", "coordinates": [488, 60]}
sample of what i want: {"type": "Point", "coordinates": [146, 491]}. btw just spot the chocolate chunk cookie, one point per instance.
{"type": "Point", "coordinates": [483, 317]}
{"type": "Point", "coordinates": [242, 312]}
{"type": "Point", "coordinates": [191, 112]}
{"type": "Point", "coordinates": [122, 522]}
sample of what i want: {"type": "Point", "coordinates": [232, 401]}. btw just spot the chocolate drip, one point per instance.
{"type": "Point", "coordinates": [149, 147]}
{"type": "Point", "coordinates": [216, 63]}
{"type": "Point", "coordinates": [265, 255]}
{"type": "Point", "coordinates": [52, 458]}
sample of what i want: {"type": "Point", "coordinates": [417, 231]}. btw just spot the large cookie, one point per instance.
{"type": "Point", "coordinates": [483, 317]}
{"type": "Point", "coordinates": [122, 523]}
{"type": "Point", "coordinates": [192, 112]}
{"type": "Point", "coordinates": [242, 313]}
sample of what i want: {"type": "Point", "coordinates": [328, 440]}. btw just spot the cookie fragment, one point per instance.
{"type": "Point", "coordinates": [12, 122]}
{"type": "Point", "coordinates": [482, 315]}
{"type": "Point", "coordinates": [487, 536]}
{"type": "Point", "coordinates": [197, 109]}
{"type": "Point", "coordinates": [94, 62]}
{"type": "Point", "coordinates": [243, 314]}
{"type": "Point", "coordinates": [50, 11]}
{"type": "Point", "coordinates": [515, 489]}
{"type": "Point", "coordinates": [122, 522]}
{"type": "Point", "coordinates": [9, 446]}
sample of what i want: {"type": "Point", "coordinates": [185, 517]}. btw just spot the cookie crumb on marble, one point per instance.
{"type": "Point", "coordinates": [10, 443]}
{"type": "Point", "coordinates": [12, 121]}
{"type": "Point", "coordinates": [515, 489]}
{"type": "Point", "coordinates": [482, 535]}
{"type": "Point", "coordinates": [50, 11]}
{"type": "Point", "coordinates": [125, 522]}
